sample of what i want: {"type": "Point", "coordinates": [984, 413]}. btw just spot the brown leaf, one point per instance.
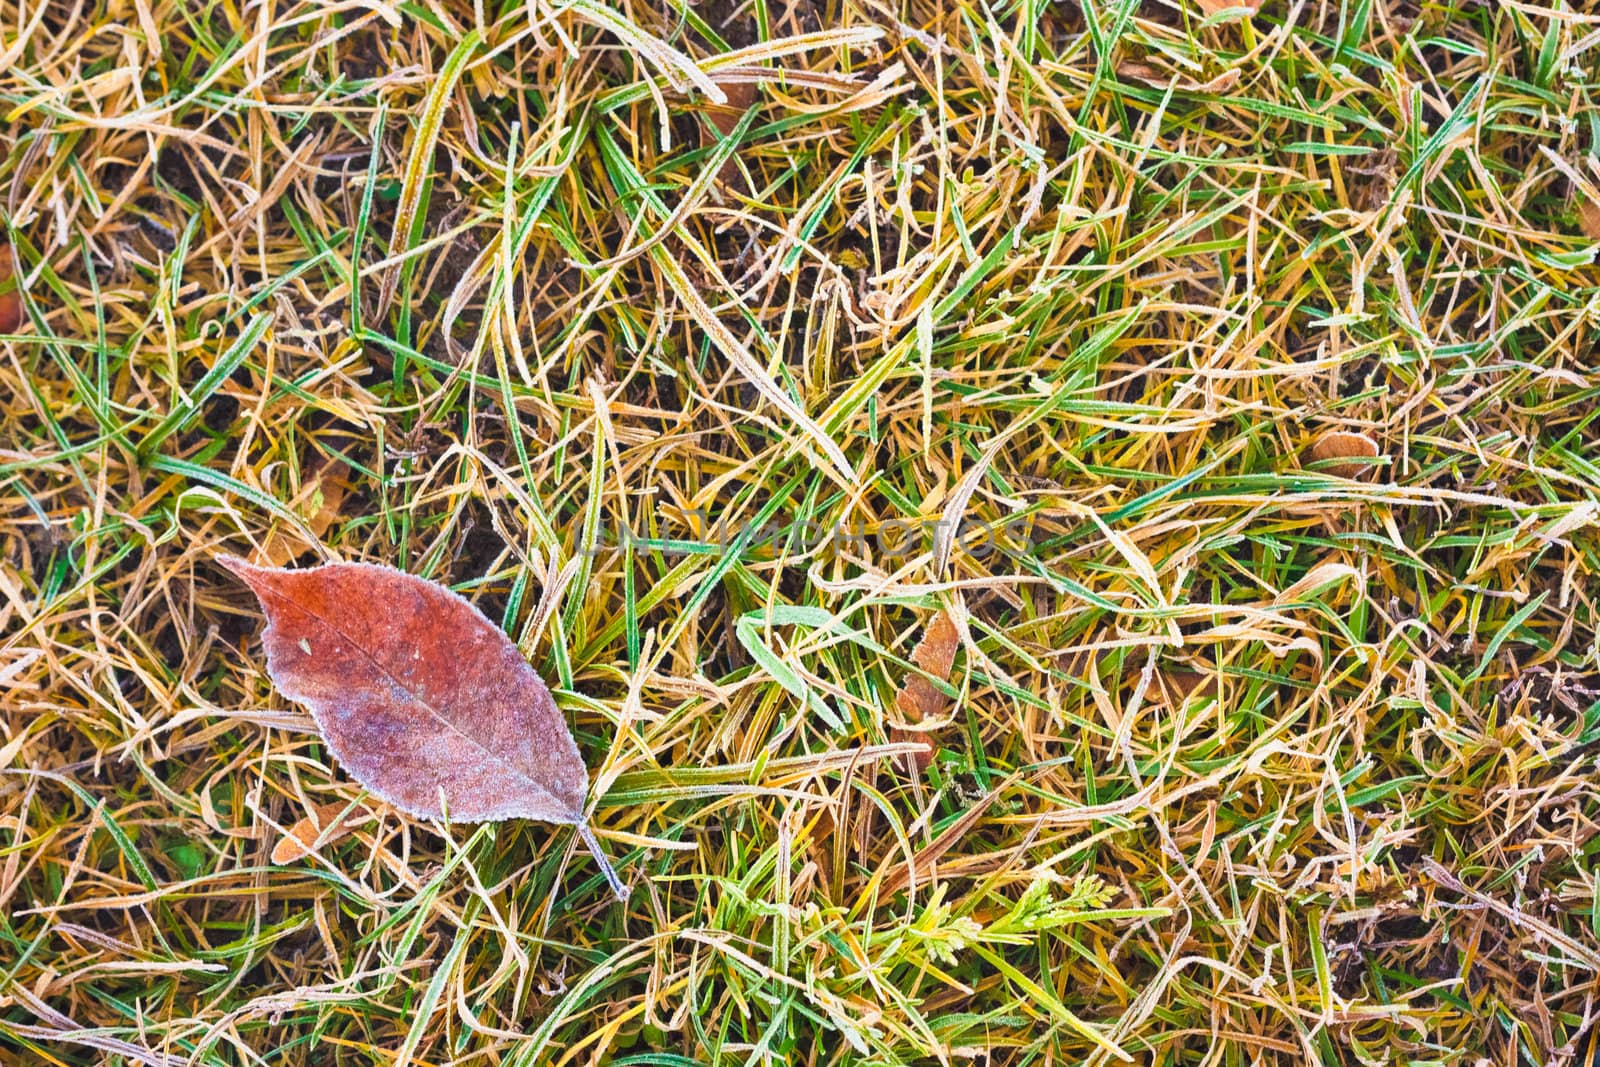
{"type": "Point", "coordinates": [1370, 179]}
{"type": "Point", "coordinates": [329, 485]}
{"type": "Point", "coordinates": [922, 866]}
{"type": "Point", "coordinates": [1181, 684]}
{"type": "Point", "coordinates": [1211, 7]}
{"type": "Point", "coordinates": [936, 654]}
{"type": "Point", "coordinates": [1138, 70]}
{"type": "Point", "coordinates": [741, 94]}
{"type": "Point", "coordinates": [421, 698]}
{"type": "Point", "coordinates": [1342, 445]}
{"type": "Point", "coordinates": [317, 831]}
{"type": "Point", "coordinates": [918, 698]}
{"type": "Point", "coordinates": [725, 117]}
{"type": "Point", "coordinates": [1589, 217]}
{"type": "Point", "coordinates": [11, 310]}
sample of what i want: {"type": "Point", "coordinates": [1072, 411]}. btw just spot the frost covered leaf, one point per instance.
{"type": "Point", "coordinates": [324, 495]}
{"type": "Point", "coordinates": [1589, 217]}
{"type": "Point", "coordinates": [317, 830]}
{"type": "Point", "coordinates": [1216, 7]}
{"type": "Point", "coordinates": [741, 94]}
{"type": "Point", "coordinates": [1175, 684]}
{"type": "Point", "coordinates": [1344, 454]}
{"type": "Point", "coordinates": [725, 117]}
{"type": "Point", "coordinates": [1370, 178]}
{"type": "Point", "coordinates": [11, 315]}
{"type": "Point", "coordinates": [422, 699]}
{"type": "Point", "coordinates": [1138, 70]}
{"type": "Point", "coordinates": [919, 699]}
{"type": "Point", "coordinates": [935, 653]}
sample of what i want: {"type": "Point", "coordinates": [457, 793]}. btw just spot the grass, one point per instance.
{"type": "Point", "coordinates": [1225, 376]}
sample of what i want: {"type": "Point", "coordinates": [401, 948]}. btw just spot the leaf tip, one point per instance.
{"type": "Point", "coordinates": [248, 573]}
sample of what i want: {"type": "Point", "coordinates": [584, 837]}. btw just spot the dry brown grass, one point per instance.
{"type": "Point", "coordinates": [1253, 752]}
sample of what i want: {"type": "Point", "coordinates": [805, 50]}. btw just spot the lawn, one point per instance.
{"type": "Point", "coordinates": [1063, 532]}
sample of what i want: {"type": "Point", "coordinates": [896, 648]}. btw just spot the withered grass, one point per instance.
{"type": "Point", "coordinates": [1252, 352]}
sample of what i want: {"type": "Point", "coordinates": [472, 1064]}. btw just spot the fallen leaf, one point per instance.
{"type": "Point", "coordinates": [1172, 686]}
{"type": "Point", "coordinates": [317, 830]}
{"type": "Point", "coordinates": [1370, 178]}
{"type": "Point", "coordinates": [1138, 70]}
{"type": "Point", "coordinates": [328, 486]}
{"type": "Point", "coordinates": [1220, 84]}
{"type": "Point", "coordinates": [725, 117]}
{"type": "Point", "coordinates": [1343, 445]}
{"type": "Point", "coordinates": [1212, 7]}
{"type": "Point", "coordinates": [421, 698]}
{"type": "Point", "coordinates": [922, 865]}
{"type": "Point", "coordinates": [1184, 684]}
{"type": "Point", "coordinates": [919, 699]}
{"type": "Point", "coordinates": [936, 654]}
{"type": "Point", "coordinates": [11, 311]}
{"type": "Point", "coordinates": [1589, 217]}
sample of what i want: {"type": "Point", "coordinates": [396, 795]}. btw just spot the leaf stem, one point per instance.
{"type": "Point", "coordinates": [610, 872]}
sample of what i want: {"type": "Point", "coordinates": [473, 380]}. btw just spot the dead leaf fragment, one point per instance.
{"type": "Point", "coordinates": [1183, 684]}
{"type": "Point", "coordinates": [11, 311]}
{"type": "Point", "coordinates": [936, 654]}
{"type": "Point", "coordinates": [421, 698]}
{"type": "Point", "coordinates": [725, 117]}
{"type": "Point", "coordinates": [918, 698]}
{"type": "Point", "coordinates": [1589, 217]}
{"type": "Point", "coordinates": [1212, 7]}
{"type": "Point", "coordinates": [1138, 70]}
{"type": "Point", "coordinates": [1369, 179]}
{"type": "Point", "coordinates": [327, 487]}
{"type": "Point", "coordinates": [317, 830]}
{"type": "Point", "coordinates": [1344, 445]}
